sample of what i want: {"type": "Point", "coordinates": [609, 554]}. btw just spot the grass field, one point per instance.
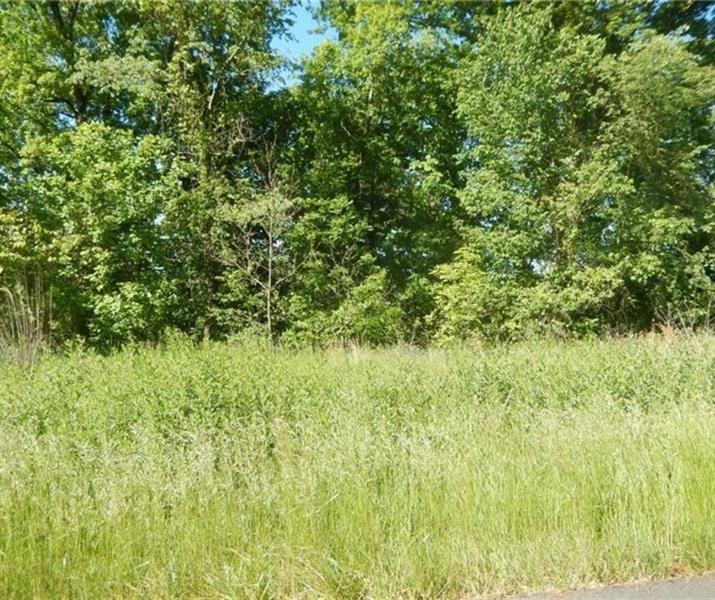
{"type": "Point", "coordinates": [236, 470]}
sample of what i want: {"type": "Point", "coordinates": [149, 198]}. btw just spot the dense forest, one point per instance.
{"type": "Point", "coordinates": [433, 170]}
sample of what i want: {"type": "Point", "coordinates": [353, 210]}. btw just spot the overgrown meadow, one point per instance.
{"type": "Point", "coordinates": [243, 471]}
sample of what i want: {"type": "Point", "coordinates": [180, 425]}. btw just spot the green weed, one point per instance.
{"type": "Point", "coordinates": [241, 471]}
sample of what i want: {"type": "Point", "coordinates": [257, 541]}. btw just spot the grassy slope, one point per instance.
{"type": "Point", "coordinates": [240, 471]}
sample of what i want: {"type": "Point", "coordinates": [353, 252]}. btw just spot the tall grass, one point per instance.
{"type": "Point", "coordinates": [240, 471]}
{"type": "Point", "coordinates": [24, 320]}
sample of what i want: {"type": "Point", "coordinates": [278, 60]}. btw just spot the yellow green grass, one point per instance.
{"type": "Point", "coordinates": [242, 471]}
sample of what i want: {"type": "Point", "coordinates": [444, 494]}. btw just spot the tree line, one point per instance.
{"type": "Point", "coordinates": [432, 170]}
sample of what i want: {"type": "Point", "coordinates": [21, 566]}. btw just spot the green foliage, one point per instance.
{"type": "Point", "coordinates": [97, 195]}
{"type": "Point", "coordinates": [243, 470]}
{"type": "Point", "coordinates": [374, 131]}
{"type": "Point", "coordinates": [367, 315]}
{"type": "Point", "coordinates": [434, 170]}
{"type": "Point", "coordinates": [338, 291]}
{"type": "Point", "coordinates": [588, 198]}
{"type": "Point", "coordinates": [471, 301]}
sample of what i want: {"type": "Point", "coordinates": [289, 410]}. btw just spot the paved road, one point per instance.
{"type": "Point", "coordinates": [693, 588]}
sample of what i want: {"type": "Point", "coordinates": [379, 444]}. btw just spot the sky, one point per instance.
{"type": "Point", "coordinates": [302, 32]}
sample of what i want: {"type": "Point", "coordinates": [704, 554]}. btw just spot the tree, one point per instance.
{"type": "Point", "coordinates": [186, 78]}
{"type": "Point", "coordinates": [438, 168]}
{"type": "Point", "coordinates": [95, 197]}
{"type": "Point", "coordinates": [589, 177]}
{"type": "Point", "coordinates": [250, 240]}
{"type": "Point", "coordinates": [377, 129]}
